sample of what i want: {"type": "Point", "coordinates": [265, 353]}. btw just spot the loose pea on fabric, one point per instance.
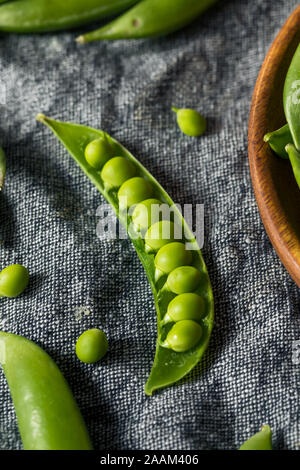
{"type": "Point", "coordinates": [13, 280]}
{"type": "Point", "coordinates": [190, 122]}
{"type": "Point", "coordinates": [91, 346]}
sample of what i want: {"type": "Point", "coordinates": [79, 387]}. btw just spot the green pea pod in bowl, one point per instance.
{"type": "Point", "coordinates": [285, 141]}
{"type": "Point", "coordinates": [35, 16]}
{"type": "Point", "coordinates": [167, 248]}
{"type": "Point", "coordinates": [48, 416]}
{"type": "Point", "coordinates": [150, 18]}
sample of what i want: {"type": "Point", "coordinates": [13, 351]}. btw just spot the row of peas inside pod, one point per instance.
{"type": "Point", "coordinates": [164, 241]}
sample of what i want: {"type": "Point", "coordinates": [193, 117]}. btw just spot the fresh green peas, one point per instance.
{"type": "Point", "coordinates": [185, 307]}
{"type": "Point", "coordinates": [183, 336]}
{"type": "Point", "coordinates": [117, 170]}
{"type": "Point", "coordinates": [98, 152]}
{"type": "Point", "coordinates": [91, 346]}
{"type": "Point", "coordinates": [159, 234]}
{"type": "Point", "coordinates": [190, 122]}
{"type": "Point", "coordinates": [13, 280]}
{"type": "Point", "coordinates": [172, 256]}
{"type": "Point", "coordinates": [134, 191]}
{"type": "Point", "coordinates": [184, 279]}
{"type": "Point", "coordinates": [144, 213]}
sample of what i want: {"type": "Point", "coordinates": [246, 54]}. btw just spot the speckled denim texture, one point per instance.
{"type": "Point", "coordinates": [48, 223]}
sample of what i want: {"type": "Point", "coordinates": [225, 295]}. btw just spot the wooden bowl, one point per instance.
{"type": "Point", "coordinates": [275, 188]}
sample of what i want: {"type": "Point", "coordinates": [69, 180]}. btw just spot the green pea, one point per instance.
{"type": "Point", "coordinates": [134, 191]}
{"type": "Point", "coordinates": [172, 256]}
{"type": "Point", "coordinates": [91, 346]}
{"type": "Point", "coordinates": [190, 122]}
{"type": "Point", "coordinates": [13, 280]}
{"type": "Point", "coordinates": [184, 279]}
{"type": "Point", "coordinates": [183, 336]}
{"type": "Point", "coordinates": [185, 307]}
{"type": "Point", "coordinates": [144, 213]}
{"type": "Point", "coordinates": [98, 152]}
{"type": "Point", "coordinates": [117, 170]}
{"type": "Point", "coordinates": [159, 234]}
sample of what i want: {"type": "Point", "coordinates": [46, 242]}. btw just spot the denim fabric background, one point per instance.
{"type": "Point", "coordinates": [48, 222]}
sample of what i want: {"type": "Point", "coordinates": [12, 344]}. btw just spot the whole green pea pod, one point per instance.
{"type": "Point", "coordinates": [291, 98]}
{"type": "Point", "coordinates": [150, 18]}
{"type": "Point", "coordinates": [2, 168]}
{"type": "Point", "coordinates": [172, 259]}
{"type": "Point", "coordinates": [262, 440]}
{"type": "Point", "coordinates": [31, 16]}
{"type": "Point", "coordinates": [48, 416]}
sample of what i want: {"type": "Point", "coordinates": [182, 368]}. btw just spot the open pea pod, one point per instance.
{"type": "Point", "coordinates": [179, 280]}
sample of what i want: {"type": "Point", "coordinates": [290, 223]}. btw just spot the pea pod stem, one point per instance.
{"type": "Point", "coordinates": [150, 18]}
{"type": "Point", "coordinates": [32, 16]}
{"type": "Point", "coordinates": [48, 416]}
{"type": "Point", "coordinates": [2, 168]}
{"type": "Point", "coordinates": [279, 139]}
{"type": "Point", "coordinates": [169, 366]}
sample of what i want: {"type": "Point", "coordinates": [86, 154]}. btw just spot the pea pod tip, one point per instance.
{"type": "Point", "coordinates": [41, 117]}
{"type": "Point", "coordinates": [81, 39]}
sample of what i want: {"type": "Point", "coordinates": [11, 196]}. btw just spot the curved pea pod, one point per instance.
{"type": "Point", "coordinates": [169, 366]}
{"type": "Point", "coordinates": [262, 440]}
{"type": "Point", "coordinates": [2, 168]}
{"type": "Point", "coordinates": [48, 416]}
{"type": "Point", "coordinates": [32, 16]}
{"type": "Point", "coordinates": [279, 139]}
{"type": "Point", "coordinates": [294, 157]}
{"type": "Point", "coordinates": [150, 18]}
{"type": "Point", "coordinates": [291, 98]}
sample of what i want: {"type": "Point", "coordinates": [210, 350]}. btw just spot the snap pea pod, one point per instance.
{"type": "Point", "coordinates": [150, 18]}
{"type": "Point", "coordinates": [123, 174]}
{"type": "Point", "coordinates": [291, 98]}
{"type": "Point", "coordinates": [2, 168]}
{"type": "Point", "coordinates": [32, 16]}
{"type": "Point", "coordinates": [48, 416]}
{"type": "Point", "coordinates": [279, 139]}
{"type": "Point", "coordinates": [262, 440]}
{"type": "Point", "coordinates": [294, 157]}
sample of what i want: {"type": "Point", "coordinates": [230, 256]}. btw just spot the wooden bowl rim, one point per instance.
{"type": "Point", "coordinates": [282, 235]}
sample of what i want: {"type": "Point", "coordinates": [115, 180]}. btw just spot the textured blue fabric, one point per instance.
{"type": "Point", "coordinates": [48, 222]}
